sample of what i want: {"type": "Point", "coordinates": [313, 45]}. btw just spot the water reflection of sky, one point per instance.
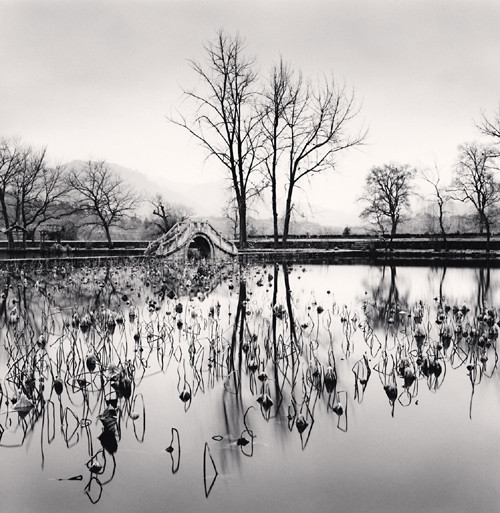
{"type": "Point", "coordinates": [348, 283]}
{"type": "Point", "coordinates": [437, 451]}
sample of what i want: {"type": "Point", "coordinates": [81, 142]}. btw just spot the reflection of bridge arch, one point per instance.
{"type": "Point", "coordinates": [192, 238]}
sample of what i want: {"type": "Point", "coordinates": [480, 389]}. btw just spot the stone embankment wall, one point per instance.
{"type": "Point", "coordinates": [75, 249]}
{"type": "Point", "coordinates": [464, 251]}
{"type": "Point", "coordinates": [468, 250]}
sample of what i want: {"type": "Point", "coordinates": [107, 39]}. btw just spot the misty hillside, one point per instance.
{"type": "Point", "coordinates": [208, 199]}
{"type": "Point", "coordinates": [205, 198]}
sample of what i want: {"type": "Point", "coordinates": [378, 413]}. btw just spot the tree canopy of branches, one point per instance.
{"type": "Point", "coordinates": [31, 191]}
{"type": "Point", "coordinates": [226, 122]}
{"type": "Point", "coordinates": [316, 118]}
{"type": "Point", "coordinates": [166, 215]}
{"type": "Point", "coordinates": [103, 198]}
{"type": "Point", "coordinates": [287, 128]}
{"type": "Point", "coordinates": [475, 182]}
{"type": "Point", "coordinates": [441, 195]}
{"type": "Point", "coordinates": [277, 99]}
{"type": "Point", "coordinates": [387, 194]}
{"type": "Point", "coordinates": [491, 126]}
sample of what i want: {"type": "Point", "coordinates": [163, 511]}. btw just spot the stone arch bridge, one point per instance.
{"type": "Point", "coordinates": [196, 238]}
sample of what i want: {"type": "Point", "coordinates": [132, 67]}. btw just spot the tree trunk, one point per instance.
{"type": "Point", "coordinates": [275, 215]}
{"type": "Point", "coordinates": [288, 215]}
{"type": "Point", "coordinates": [441, 225]}
{"type": "Point", "coordinates": [394, 227]}
{"type": "Point", "coordinates": [488, 233]}
{"type": "Point", "coordinates": [242, 211]}
{"type": "Point", "coordinates": [108, 237]}
{"type": "Point", "coordinates": [274, 184]}
{"type": "Point", "coordinates": [10, 240]}
{"type": "Point", "coordinates": [441, 221]}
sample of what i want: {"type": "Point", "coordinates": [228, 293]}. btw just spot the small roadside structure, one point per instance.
{"type": "Point", "coordinates": [192, 239]}
{"type": "Point", "coordinates": [17, 235]}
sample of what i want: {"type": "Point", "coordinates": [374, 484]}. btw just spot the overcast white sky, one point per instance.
{"type": "Point", "coordinates": [96, 79]}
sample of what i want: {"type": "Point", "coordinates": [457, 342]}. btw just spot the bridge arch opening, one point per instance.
{"type": "Point", "coordinates": [199, 248]}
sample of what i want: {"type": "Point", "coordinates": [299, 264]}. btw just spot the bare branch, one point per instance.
{"type": "Point", "coordinates": [103, 197]}
{"type": "Point", "coordinates": [441, 194]}
{"type": "Point", "coordinates": [475, 182]}
{"type": "Point", "coordinates": [490, 126]}
{"type": "Point", "coordinates": [226, 122]}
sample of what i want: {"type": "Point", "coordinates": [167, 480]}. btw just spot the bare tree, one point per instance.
{"type": "Point", "coordinates": [475, 183]}
{"type": "Point", "coordinates": [277, 99]}
{"type": "Point", "coordinates": [31, 191]}
{"type": "Point", "coordinates": [166, 215]}
{"type": "Point", "coordinates": [103, 198]}
{"type": "Point", "coordinates": [387, 194]}
{"type": "Point", "coordinates": [441, 194]}
{"type": "Point", "coordinates": [317, 119]}
{"type": "Point", "coordinates": [226, 121]}
{"type": "Point", "coordinates": [304, 127]}
{"type": "Point", "coordinates": [491, 126]}
{"type": "Point", "coordinates": [41, 191]}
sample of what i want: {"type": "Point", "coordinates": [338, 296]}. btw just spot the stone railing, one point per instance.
{"type": "Point", "coordinates": [218, 240]}
{"type": "Point", "coordinates": [181, 234]}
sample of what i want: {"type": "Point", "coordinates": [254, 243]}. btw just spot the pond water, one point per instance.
{"type": "Point", "coordinates": [146, 386]}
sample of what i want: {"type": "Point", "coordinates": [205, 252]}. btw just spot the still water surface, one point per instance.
{"type": "Point", "coordinates": [138, 387]}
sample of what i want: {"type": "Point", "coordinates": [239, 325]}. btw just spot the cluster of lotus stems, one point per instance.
{"type": "Point", "coordinates": [79, 341]}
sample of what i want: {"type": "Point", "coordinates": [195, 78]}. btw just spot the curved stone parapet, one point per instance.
{"type": "Point", "coordinates": [179, 238]}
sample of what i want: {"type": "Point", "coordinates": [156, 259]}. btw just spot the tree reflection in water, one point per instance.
{"type": "Point", "coordinates": [80, 341]}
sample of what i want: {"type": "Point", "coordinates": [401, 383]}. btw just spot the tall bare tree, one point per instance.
{"type": "Point", "coordinates": [305, 127]}
{"type": "Point", "coordinates": [226, 121]}
{"type": "Point", "coordinates": [103, 198]}
{"type": "Point", "coordinates": [387, 194]}
{"type": "Point", "coordinates": [317, 118]}
{"type": "Point", "coordinates": [475, 183]}
{"type": "Point", "coordinates": [277, 98]}
{"type": "Point", "coordinates": [440, 193]}
{"type": "Point", "coordinates": [41, 192]}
